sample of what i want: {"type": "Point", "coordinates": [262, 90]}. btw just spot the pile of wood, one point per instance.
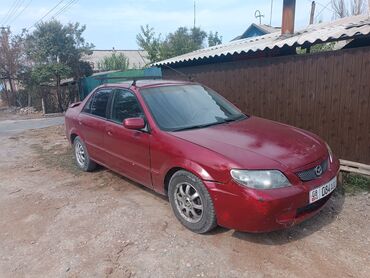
{"type": "Point", "coordinates": [27, 110]}
{"type": "Point", "coordinates": [354, 167]}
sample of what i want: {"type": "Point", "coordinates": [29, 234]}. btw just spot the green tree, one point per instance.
{"type": "Point", "coordinates": [214, 39]}
{"type": "Point", "coordinates": [148, 41]}
{"type": "Point", "coordinates": [11, 60]}
{"type": "Point", "coordinates": [182, 41]}
{"type": "Point", "coordinates": [116, 61]}
{"type": "Point", "coordinates": [55, 51]}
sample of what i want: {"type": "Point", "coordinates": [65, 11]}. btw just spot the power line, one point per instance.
{"type": "Point", "coordinates": [15, 11]}
{"type": "Point", "coordinates": [12, 8]}
{"type": "Point", "coordinates": [324, 7]}
{"type": "Point", "coordinates": [21, 12]}
{"type": "Point", "coordinates": [64, 8]}
{"type": "Point", "coordinates": [8, 12]}
{"type": "Point", "coordinates": [61, 9]}
{"type": "Point", "coordinates": [46, 14]}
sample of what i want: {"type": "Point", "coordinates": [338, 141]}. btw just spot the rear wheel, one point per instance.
{"type": "Point", "coordinates": [82, 157]}
{"type": "Point", "coordinates": [191, 202]}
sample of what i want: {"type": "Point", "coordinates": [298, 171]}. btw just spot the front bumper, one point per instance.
{"type": "Point", "coordinates": [251, 210]}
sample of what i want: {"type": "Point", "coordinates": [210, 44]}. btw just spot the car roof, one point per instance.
{"type": "Point", "coordinates": [147, 83]}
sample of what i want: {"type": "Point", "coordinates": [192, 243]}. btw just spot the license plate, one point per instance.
{"type": "Point", "coordinates": [323, 190]}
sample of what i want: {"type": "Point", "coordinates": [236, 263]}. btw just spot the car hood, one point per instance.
{"type": "Point", "coordinates": [250, 143]}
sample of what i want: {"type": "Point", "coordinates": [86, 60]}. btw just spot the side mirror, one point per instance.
{"type": "Point", "coordinates": [134, 123]}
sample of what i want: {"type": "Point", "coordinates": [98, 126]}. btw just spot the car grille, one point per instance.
{"type": "Point", "coordinates": [310, 174]}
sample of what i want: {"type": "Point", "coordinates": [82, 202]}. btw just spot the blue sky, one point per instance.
{"type": "Point", "coordinates": [115, 23]}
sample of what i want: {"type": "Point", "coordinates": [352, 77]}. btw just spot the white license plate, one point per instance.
{"type": "Point", "coordinates": [323, 190]}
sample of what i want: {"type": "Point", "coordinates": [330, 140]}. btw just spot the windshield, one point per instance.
{"type": "Point", "coordinates": [182, 107]}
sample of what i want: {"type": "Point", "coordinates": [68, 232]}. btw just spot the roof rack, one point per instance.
{"type": "Point", "coordinates": [133, 78]}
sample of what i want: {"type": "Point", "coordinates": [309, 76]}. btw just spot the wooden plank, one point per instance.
{"type": "Point", "coordinates": [355, 170]}
{"type": "Point", "coordinates": [334, 120]}
{"type": "Point", "coordinates": [363, 109]}
{"type": "Point", "coordinates": [354, 164]}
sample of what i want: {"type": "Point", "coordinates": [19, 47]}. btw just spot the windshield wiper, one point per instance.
{"type": "Point", "coordinates": [238, 118]}
{"type": "Point", "coordinates": [197, 126]}
{"type": "Point", "coordinates": [221, 121]}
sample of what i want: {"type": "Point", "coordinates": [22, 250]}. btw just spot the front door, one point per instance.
{"type": "Point", "coordinates": [92, 124]}
{"type": "Point", "coordinates": [128, 150]}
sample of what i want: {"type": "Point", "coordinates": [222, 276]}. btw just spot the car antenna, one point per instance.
{"type": "Point", "coordinates": [189, 77]}
{"type": "Point", "coordinates": [134, 82]}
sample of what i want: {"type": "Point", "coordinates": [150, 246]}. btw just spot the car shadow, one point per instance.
{"type": "Point", "coordinates": [130, 184]}
{"type": "Point", "coordinates": [326, 216]}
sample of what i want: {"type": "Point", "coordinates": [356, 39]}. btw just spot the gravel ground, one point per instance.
{"type": "Point", "coordinates": [58, 222]}
{"type": "Point", "coordinates": [10, 113]}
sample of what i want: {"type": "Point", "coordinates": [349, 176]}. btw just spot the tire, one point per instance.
{"type": "Point", "coordinates": [191, 202]}
{"type": "Point", "coordinates": [81, 155]}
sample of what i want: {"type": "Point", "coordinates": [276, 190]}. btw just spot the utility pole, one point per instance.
{"type": "Point", "coordinates": [272, 4]}
{"type": "Point", "coordinates": [195, 13]}
{"type": "Point", "coordinates": [312, 15]}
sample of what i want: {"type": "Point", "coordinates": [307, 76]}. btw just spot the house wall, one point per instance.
{"type": "Point", "coordinates": [325, 93]}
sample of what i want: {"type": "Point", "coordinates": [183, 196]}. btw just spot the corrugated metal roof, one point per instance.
{"type": "Point", "coordinates": [265, 29]}
{"type": "Point", "coordinates": [345, 28]}
{"type": "Point", "coordinates": [136, 58]}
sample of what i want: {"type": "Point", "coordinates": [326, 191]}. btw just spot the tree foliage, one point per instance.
{"type": "Point", "coordinates": [56, 51]}
{"type": "Point", "coordinates": [322, 47]}
{"type": "Point", "coordinates": [116, 61]}
{"type": "Point", "coordinates": [181, 41]}
{"type": "Point", "coordinates": [12, 59]}
{"type": "Point", "coordinates": [148, 41]}
{"type": "Point", "coordinates": [214, 39]}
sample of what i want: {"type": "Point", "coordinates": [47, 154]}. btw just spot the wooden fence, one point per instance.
{"type": "Point", "coordinates": [326, 93]}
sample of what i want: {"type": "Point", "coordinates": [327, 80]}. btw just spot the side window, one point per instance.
{"type": "Point", "coordinates": [125, 105]}
{"type": "Point", "coordinates": [97, 104]}
{"type": "Point", "coordinates": [87, 107]}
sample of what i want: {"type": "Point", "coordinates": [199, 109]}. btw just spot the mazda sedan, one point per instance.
{"type": "Point", "coordinates": [217, 165]}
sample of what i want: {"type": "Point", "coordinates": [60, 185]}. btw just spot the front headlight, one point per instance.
{"type": "Point", "coordinates": [260, 179]}
{"type": "Point", "coordinates": [330, 152]}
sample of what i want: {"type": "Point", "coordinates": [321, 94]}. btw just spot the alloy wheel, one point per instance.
{"type": "Point", "coordinates": [188, 202]}
{"type": "Point", "coordinates": [80, 154]}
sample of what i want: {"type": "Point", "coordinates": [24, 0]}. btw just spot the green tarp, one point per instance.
{"type": "Point", "coordinates": [88, 84]}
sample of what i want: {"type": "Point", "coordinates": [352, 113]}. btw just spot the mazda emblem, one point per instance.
{"type": "Point", "coordinates": [318, 170]}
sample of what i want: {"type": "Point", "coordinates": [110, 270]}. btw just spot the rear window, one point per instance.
{"type": "Point", "coordinates": [97, 104]}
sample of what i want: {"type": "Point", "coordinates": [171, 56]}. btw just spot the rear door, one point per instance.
{"type": "Point", "coordinates": [92, 123]}
{"type": "Point", "coordinates": [127, 150]}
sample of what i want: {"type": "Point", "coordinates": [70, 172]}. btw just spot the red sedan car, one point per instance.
{"type": "Point", "coordinates": [217, 165]}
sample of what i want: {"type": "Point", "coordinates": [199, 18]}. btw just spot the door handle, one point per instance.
{"type": "Point", "coordinates": [79, 122]}
{"type": "Point", "coordinates": [110, 133]}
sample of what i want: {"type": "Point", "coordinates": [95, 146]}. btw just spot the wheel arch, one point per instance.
{"type": "Point", "coordinates": [72, 137]}
{"type": "Point", "coordinates": [190, 167]}
{"type": "Point", "coordinates": [73, 133]}
{"type": "Point", "coordinates": [169, 175]}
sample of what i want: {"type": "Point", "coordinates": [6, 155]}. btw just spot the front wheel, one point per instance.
{"type": "Point", "coordinates": [82, 157]}
{"type": "Point", "coordinates": [191, 202]}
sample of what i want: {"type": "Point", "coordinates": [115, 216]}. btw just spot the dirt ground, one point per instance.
{"type": "Point", "coordinates": [11, 114]}
{"type": "Point", "coordinates": [56, 221]}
